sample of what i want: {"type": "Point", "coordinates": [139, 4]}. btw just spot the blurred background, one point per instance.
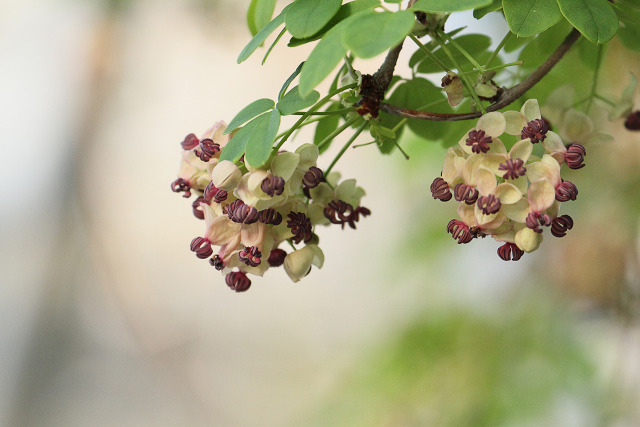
{"type": "Point", "coordinates": [107, 318]}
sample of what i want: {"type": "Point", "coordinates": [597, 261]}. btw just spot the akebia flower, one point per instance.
{"type": "Point", "coordinates": [249, 213]}
{"type": "Point", "coordinates": [512, 196]}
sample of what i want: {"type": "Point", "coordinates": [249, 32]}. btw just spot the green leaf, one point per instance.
{"type": "Point", "coordinates": [327, 125]}
{"type": "Point", "coordinates": [323, 58]}
{"type": "Point", "coordinates": [527, 18]}
{"type": "Point", "coordinates": [262, 35]}
{"type": "Point", "coordinates": [448, 5]}
{"type": "Point", "coordinates": [286, 84]}
{"type": "Point", "coordinates": [259, 14]}
{"type": "Point", "coordinates": [261, 140]}
{"type": "Point", "coordinates": [307, 17]}
{"type": "Point", "coordinates": [345, 11]}
{"type": "Point", "coordinates": [370, 34]}
{"type": "Point", "coordinates": [235, 148]}
{"type": "Point", "coordinates": [480, 12]}
{"type": "Point", "coordinates": [249, 112]}
{"type": "Point", "coordinates": [595, 19]}
{"type": "Point", "coordinates": [630, 37]}
{"type": "Point", "coordinates": [292, 102]}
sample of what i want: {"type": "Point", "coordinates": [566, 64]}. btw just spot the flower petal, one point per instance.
{"type": "Point", "coordinates": [517, 211]}
{"type": "Point", "coordinates": [493, 124]}
{"type": "Point", "coordinates": [298, 263]}
{"type": "Point", "coordinates": [553, 143]}
{"type": "Point", "coordinates": [515, 121]}
{"type": "Point", "coordinates": [508, 193]}
{"type": "Point", "coordinates": [531, 110]}
{"type": "Point", "coordinates": [577, 126]}
{"type": "Point", "coordinates": [284, 164]}
{"type": "Point", "coordinates": [541, 195]}
{"type": "Point", "coordinates": [486, 181]}
{"type": "Point", "coordinates": [521, 150]}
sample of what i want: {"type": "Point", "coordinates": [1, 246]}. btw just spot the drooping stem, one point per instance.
{"type": "Point", "coordinates": [337, 132]}
{"type": "Point", "coordinates": [310, 111]}
{"type": "Point", "coordinates": [493, 56]}
{"type": "Point", "coordinates": [429, 53]}
{"type": "Point", "coordinates": [345, 147]}
{"type": "Point", "coordinates": [596, 74]}
{"type": "Point", "coordinates": [460, 49]}
{"type": "Point", "coordinates": [506, 97]}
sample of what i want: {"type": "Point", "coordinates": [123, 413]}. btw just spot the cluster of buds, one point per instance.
{"type": "Point", "coordinates": [509, 195]}
{"type": "Point", "coordinates": [249, 213]}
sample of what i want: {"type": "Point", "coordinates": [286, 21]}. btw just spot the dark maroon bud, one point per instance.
{"type": "Point", "coordinates": [239, 212]}
{"type": "Point", "coordinates": [478, 141]}
{"type": "Point", "coordinates": [217, 262]}
{"type": "Point", "coordinates": [300, 226]}
{"type": "Point", "coordinates": [190, 141]}
{"type": "Point", "coordinates": [513, 168]}
{"type": "Point", "coordinates": [276, 257]}
{"type": "Point", "coordinates": [536, 130]}
{"type": "Point", "coordinates": [560, 225]}
{"type": "Point", "coordinates": [202, 247]}
{"type": "Point", "coordinates": [238, 281]}
{"type": "Point", "coordinates": [440, 190]}
{"type": "Point", "coordinates": [466, 193]}
{"type": "Point", "coordinates": [575, 156]}
{"type": "Point", "coordinates": [273, 185]}
{"type": "Point", "coordinates": [211, 192]}
{"type": "Point", "coordinates": [251, 256]}
{"type": "Point", "coordinates": [207, 150]}
{"type": "Point", "coordinates": [181, 185]}
{"type": "Point", "coordinates": [198, 212]}
{"type": "Point", "coordinates": [270, 217]}
{"type": "Point", "coordinates": [489, 204]}
{"type": "Point", "coordinates": [633, 121]}
{"type": "Point", "coordinates": [313, 177]}
{"type": "Point", "coordinates": [566, 191]}
{"type": "Point", "coordinates": [460, 231]}
{"type": "Point", "coordinates": [534, 220]}
{"type": "Point", "coordinates": [510, 252]}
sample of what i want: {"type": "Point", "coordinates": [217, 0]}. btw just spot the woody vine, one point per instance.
{"type": "Point", "coordinates": [507, 128]}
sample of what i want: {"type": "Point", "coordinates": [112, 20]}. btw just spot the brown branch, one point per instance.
{"type": "Point", "coordinates": [383, 76]}
{"type": "Point", "coordinates": [506, 97]}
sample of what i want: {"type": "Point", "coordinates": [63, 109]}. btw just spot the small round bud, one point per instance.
{"type": "Point", "coordinates": [313, 177]}
{"type": "Point", "coordinates": [238, 281]}
{"type": "Point", "coordinates": [276, 257]}
{"type": "Point", "coordinates": [633, 121]}
{"type": "Point", "coordinates": [440, 190]}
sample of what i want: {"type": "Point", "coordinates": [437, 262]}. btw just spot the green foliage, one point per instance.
{"type": "Point", "coordinates": [457, 368]}
{"type": "Point", "coordinates": [448, 5]}
{"type": "Point", "coordinates": [480, 12]}
{"type": "Point", "coordinates": [323, 59]}
{"type": "Point", "coordinates": [262, 35]}
{"type": "Point", "coordinates": [306, 17]}
{"type": "Point", "coordinates": [261, 140]}
{"type": "Point", "coordinates": [345, 11]}
{"type": "Point", "coordinates": [629, 15]}
{"type": "Point", "coordinates": [293, 102]}
{"type": "Point", "coordinates": [527, 18]}
{"type": "Point", "coordinates": [595, 19]}
{"type": "Point", "coordinates": [259, 14]}
{"type": "Point", "coordinates": [249, 112]}
{"type": "Point", "coordinates": [370, 34]}
{"type": "Point", "coordinates": [326, 126]}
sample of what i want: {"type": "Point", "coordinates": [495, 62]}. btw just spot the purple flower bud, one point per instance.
{"type": "Point", "coordinates": [478, 141]}
{"type": "Point", "coordinates": [575, 156]}
{"type": "Point", "coordinates": [466, 193]}
{"type": "Point", "coordinates": [190, 141]}
{"type": "Point", "coordinates": [251, 256]}
{"type": "Point", "coordinates": [276, 257]}
{"type": "Point", "coordinates": [633, 121]}
{"type": "Point", "coordinates": [300, 226]}
{"type": "Point", "coordinates": [536, 130]}
{"type": "Point", "coordinates": [273, 185]}
{"type": "Point", "coordinates": [560, 225]}
{"type": "Point", "coordinates": [313, 177]}
{"type": "Point", "coordinates": [460, 231]}
{"type": "Point", "coordinates": [440, 190]}
{"type": "Point", "coordinates": [566, 191]}
{"type": "Point", "coordinates": [181, 185]}
{"type": "Point", "coordinates": [198, 212]}
{"type": "Point", "coordinates": [510, 252]}
{"type": "Point", "coordinates": [202, 247]}
{"type": "Point", "coordinates": [489, 204]}
{"type": "Point", "coordinates": [238, 281]}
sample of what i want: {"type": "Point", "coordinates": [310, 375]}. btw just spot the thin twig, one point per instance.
{"type": "Point", "coordinates": [507, 96]}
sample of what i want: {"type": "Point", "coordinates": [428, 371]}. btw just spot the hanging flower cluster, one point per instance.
{"type": "Point", "coordinates": [510, 195]}
{"type": "Point", "coordinates": [250, 212]}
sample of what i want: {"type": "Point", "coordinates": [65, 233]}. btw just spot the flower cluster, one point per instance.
{"type": "Point", "coordinates": [249, 212]}
{"type": "Point", "coordinates": [510, 195]}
